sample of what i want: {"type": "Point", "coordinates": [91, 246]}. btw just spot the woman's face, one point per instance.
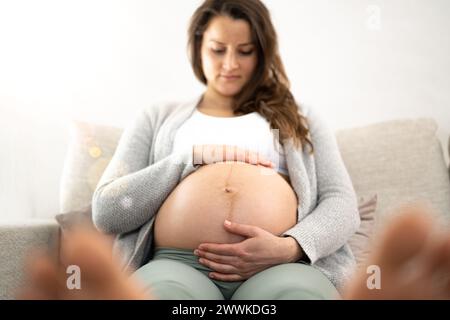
{"type": "Point", "coordinates": [228, 55]}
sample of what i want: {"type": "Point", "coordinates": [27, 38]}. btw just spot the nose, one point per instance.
{"type": "Point", "coordinates": [230, 62]}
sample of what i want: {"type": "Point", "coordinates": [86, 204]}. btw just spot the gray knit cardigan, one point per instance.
{"type": "Point", "coordinates": [143, 172]}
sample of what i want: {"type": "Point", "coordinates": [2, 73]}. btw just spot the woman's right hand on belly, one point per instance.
{"type": "Point", "coordinates": [212, 153]}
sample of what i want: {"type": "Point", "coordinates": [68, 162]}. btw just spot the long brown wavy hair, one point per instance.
{"type": "Point", "coordinates": [268, 91]}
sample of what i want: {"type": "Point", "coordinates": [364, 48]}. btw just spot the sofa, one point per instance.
{"type": "Point", "coordinates": [397, 162]}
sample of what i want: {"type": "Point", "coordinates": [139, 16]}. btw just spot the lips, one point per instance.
{"type": "Point", "coordinates": [230, 77]}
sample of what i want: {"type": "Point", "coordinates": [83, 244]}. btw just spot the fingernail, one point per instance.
{"type": "Point", "coordinates": [227, 222]}
{"type": "Point", "coordinates": [196, 252]}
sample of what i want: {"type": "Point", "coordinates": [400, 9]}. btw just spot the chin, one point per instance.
{"type": "Point", "coordinates": [228, 92]}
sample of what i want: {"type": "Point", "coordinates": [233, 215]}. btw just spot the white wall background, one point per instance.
{"type": "Point", "coordinates": [358, 61]}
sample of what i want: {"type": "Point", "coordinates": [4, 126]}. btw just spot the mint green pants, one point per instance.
{"type": "Point", "coordinates": [176, 274]}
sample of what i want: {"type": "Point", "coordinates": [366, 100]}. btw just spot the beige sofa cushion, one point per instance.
{"type": "Point", "coordinates": [18, 239]}
{"type": "Point", "coordinates": [401, 161]}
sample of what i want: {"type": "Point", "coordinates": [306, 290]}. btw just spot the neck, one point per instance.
{"type": "Point", "coordinates": [214, 101]}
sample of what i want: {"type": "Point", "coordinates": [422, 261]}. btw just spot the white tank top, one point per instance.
{"type": "Point", "coordinates": [251, 132]}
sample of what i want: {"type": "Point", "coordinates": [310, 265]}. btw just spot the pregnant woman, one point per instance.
{"type": "Point", "coordinates": [240, 193]}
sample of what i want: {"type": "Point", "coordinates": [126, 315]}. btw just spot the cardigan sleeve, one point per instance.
{"type": "Point", "coordinates": [335, 218]}
{"type": "Point", "coordinates": [131, 190]}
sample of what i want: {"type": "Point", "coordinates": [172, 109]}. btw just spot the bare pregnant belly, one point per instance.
{"type": "Point", "coordinates": [196, 209]}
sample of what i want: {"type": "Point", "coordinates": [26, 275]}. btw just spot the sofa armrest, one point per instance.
{"type": "Point", "coordinates": [17, 239]}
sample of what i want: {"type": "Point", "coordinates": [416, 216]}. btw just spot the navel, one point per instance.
{"type": "Point", "coordinates": [230, 190]}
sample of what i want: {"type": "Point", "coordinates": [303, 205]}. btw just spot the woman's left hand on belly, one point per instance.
{"type": "Point", "coordinates": [239, 261]}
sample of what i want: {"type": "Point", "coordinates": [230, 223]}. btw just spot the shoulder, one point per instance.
{"type": "Point", "coordinates": [160, 109]}
{"type": "Point", "coordinates": [313, 115]}
{"type": "Point", "coordinates": [158, 112]}
{"type": "Point", "coordinates": [302, 107]}
{"type": "Point", "coordinates": [318, 125]}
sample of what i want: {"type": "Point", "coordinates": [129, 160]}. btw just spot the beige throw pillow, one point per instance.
{"type": "Point", "coordinates": [360, 242]}
{"type": "Point", "coordinates": [91, 147]}
{"type": "Point", "coordinates": [401, 161]}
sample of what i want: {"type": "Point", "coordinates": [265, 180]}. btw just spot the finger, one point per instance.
{"type": "Point", "coordinates": [231, 153]}
{"type": "Point", "coordinates": [267, 164]}
{"type": "Point", "coordinates": [33, 293]}
{"type": "Point", "coordinates": [226, 277]}
{"type": "Point", "coordinates": [240, 155]}
{"type": "Point", "coordinates": [438, 256]}
{"type": "Point", "coordinates": [221, 249]}
{"type": "Point", "coordinates": [87, 250]}
{"type": "Point", "coordinates": [44, 278]}
{"type": "Point", "coordinates": [215, 257]}
{"type": "Point", "coordinates": [245, 230]}
{"type": "Point", "coordinates": [402, 240]}
{"type": "Point", "coordinates": [223, 268]}
{"type": "Point", "coordinates": [251, 157]}
{"type": "Point", "coordinates": [264, 162]}
{"type": "Point", "coordinates": [441, 271]}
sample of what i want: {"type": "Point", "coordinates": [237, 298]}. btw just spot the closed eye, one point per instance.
{"type": "Point", "coordinates": [218, 51]}
{"type": "Point", "coordinates": [244, 53]}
